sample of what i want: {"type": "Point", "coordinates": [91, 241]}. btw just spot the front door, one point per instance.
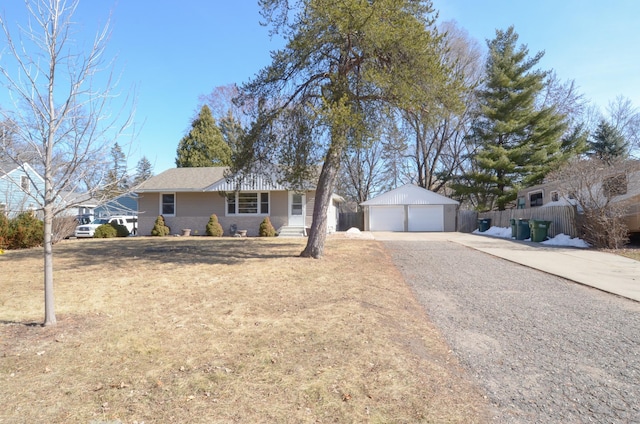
{"type": "Point", "coordinates": [297, 209]}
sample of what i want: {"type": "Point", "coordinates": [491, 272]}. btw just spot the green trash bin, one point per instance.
{"type": "Point", "coordinates": [522, 229]}
{"type": "Point", "coordinates": [484, 224]}
{"type": "Point", "coordinates": [514, 229]}
{"type": "Point", "coordinates": [539, 230]}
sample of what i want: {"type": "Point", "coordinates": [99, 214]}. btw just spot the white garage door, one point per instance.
{"type": "Point", "coordinates": [386, 218]}
{"type": "Point", "coordinates": [426, 218]}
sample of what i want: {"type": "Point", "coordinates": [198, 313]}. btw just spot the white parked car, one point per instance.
{"type": "Point", "coordinates": [88, 230]}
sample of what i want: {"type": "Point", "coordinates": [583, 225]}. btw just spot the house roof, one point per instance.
{"type": "Point", "coordinates": [410, 194]}
{"type": "Point", "coordinates": [207, 179]}
{"type": "Point", "coordinates": [6, 167]}
{"type": "Point", "coordinates": [183, 179]}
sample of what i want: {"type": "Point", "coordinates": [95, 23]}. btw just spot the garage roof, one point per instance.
{"type": "Point", "coordinates": [410, 194]}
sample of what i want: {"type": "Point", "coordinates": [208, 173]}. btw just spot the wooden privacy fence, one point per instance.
{"type": "Point", "coordinates": [348, 220]}
{"type": "Point", "coordinates": [563, 218]}
{"type": "Point", "coordinates": [467, 220]}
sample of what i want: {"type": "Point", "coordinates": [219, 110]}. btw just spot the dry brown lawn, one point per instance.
{"type": "Point", "coordinates": [629, 253]}
{"type": "Point", "coordinates": [204, 330]}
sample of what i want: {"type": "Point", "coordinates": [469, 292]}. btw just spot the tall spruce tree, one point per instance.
{"type": "Point", "coordinates": [232, 130]}
{"type": "Point", "coordinates": [116, 183]}
{"type": "Point", "coordinates": [607, 143]}
{"type": "Point", "coordinates": [204, 145]}
{"type": "Point", "coordinates": [144, 171]}
{"type": "Point", "coordinates": [518, 140]}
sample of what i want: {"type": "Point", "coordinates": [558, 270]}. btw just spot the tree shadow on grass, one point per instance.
{"type": "Point", "coordinates": [21, 323]}
{"type": "Point", "coordinates": [174, 250]}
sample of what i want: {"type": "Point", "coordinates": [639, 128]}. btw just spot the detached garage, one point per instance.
{"type": "Point", "coordinates": [410, 208]}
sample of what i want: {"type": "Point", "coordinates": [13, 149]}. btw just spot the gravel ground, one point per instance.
{"type": "Point", "coordinates": [545, 350]}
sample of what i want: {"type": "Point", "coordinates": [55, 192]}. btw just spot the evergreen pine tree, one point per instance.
{"type": "Point", "coordinates": [608, 143]}
{"type": "Point", "coordinates": [518, 142]}
{"type": "Point", "coordinates": [116, 182]}
{"type": "Point", "coordinates": [144, 171]}
{"type": "Point", "coordinates": [204, 145]}
{"type": "Point", "coordinates": [232, 131]}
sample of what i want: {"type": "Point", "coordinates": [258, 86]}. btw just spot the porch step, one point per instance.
{"type": "Point", "coordinates": [292, 232]}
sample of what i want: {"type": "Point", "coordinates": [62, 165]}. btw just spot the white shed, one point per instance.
{"type": "Point", "coordinates": [410, 208]}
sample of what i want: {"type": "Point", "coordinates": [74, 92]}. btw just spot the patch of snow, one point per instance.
{"type": "Point", "coordinates": [353, 232]}
{"type": "Point", "coordinates": [559, 240]}
{"type": "Point", "coordinates": [496, 232]}
{"type": "Point", "coordinates": [565, 240]}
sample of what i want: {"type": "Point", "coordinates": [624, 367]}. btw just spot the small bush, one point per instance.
{"type": "Point", "coordinates": [106, 231]}
{"type": "Point", "coordinates": [121, 230]}
{"type": "Point", "coordinates": [25, 231]}
{"type": "Point", "coordinates": [160, 229]}
{"type": "Point", "coordinates": [605, 228]}
{"type": "Point", "coordinates": [110, 230]}
{"type": "Point", "coordinates": [266, 228]}
{"type": "Point", "coordinates": [4, 231]}
{"type": "Point", "coordinates": [214, 228]}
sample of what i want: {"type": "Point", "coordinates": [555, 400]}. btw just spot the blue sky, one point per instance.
{"type": "Point", "coordinates": [172, 52]}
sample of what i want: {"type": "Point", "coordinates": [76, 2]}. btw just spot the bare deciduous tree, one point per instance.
{"type": "Point", "coordinates": [362, 173]}
{"type": "Point", "coordinates": [625, 117]}
{"type": "Point", "coordinates": [598, 189]}
{"type": "Point", "coordinates": [440, 146]}
{"type": "Point", "coordinates": [62, 108]}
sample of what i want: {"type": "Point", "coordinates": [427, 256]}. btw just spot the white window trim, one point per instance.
{"type": "Point", "coordinates": [175, 204]}
{"type": "Point", "coordinates": [237, 194]}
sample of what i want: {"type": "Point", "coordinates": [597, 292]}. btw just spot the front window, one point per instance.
{"type": "Point", "coordinates": [248, 204]}
{"type": "Point", "coordinates": [168, 206]}
{"type": "Point", "coordinates": [555, 196]}
{"type": "Point", "coordinates": [535, 199]}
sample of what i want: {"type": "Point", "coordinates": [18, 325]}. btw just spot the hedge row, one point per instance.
{"type": "Point", "coordinates": [213, 227]}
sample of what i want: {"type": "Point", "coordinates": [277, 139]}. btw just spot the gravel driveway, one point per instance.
{"type": "Point", "coordinates": [545, 350]}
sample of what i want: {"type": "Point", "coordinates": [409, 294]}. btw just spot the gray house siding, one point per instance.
{"type": "Point", "coordinates": [193, 210]}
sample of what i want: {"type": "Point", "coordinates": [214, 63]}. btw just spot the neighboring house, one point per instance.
{"type": "Point", "coordinates": [83, 206]}
{"type": "Point", "coordinates": [125, 204]}
{"type": "Point", "coordinates": [410, 208]}
{"type": "Point", "coordinates": [21, 189]}
{"type": "Point", "coordinates": [621, 188]}
{"type": "Point", "coordinates": [541, 195]}
{"type": "Point", "coordinates": [80, 205]}
{"type": "Point", "coordinates": [187, 197]}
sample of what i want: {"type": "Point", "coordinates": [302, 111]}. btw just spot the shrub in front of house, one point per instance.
{"type": "Point", "coordinates": [214, 228]}
{"type": "Point", "coordinates": [4, 231]}
{"type": "Point", "coordinates": [105, 231]}
{"type": "Point", "coordinates": [266, 228]}
{"type": "Point", "coordinates": [110, 230]}
{"type": "Point", "coordinates": [121, 230]}
{"type": "Point", "coordinates": [160, 229]}
{"type": "Point", "coordinates": [25, 231]}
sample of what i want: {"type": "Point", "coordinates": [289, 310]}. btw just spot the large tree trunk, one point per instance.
{"type": "Point", "coordinates": [324, 191]}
